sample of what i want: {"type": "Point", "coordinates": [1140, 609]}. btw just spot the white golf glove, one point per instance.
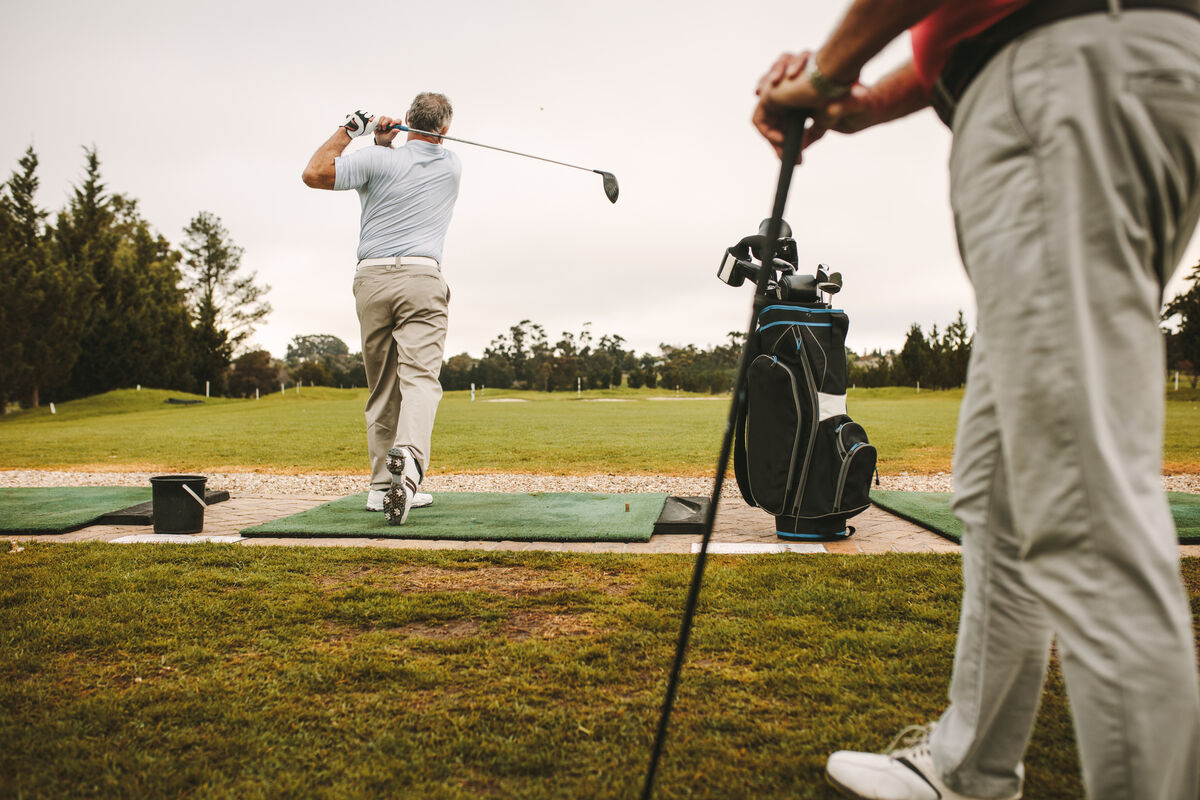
{"type": "Point", "coordinates": [359, 123]}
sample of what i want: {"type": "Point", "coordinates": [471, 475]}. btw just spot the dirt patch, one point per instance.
{"type": "Point", "coordinates": [508, 581]}
{"type": "Point", "coordinates": [534, 624]}
{"type": "Point", "coordinates": [451, 629]}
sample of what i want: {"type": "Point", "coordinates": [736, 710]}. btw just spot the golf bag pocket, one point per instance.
{"type": "Point", "coordinates": [778, 418]}
{"type": "Point", "coordinates": [857, 456]}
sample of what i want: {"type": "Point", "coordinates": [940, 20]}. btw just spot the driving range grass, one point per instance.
{"type": "Point", "coordinates": [218, 671]}
{"type": "Point", "coordinates": [619, 431]}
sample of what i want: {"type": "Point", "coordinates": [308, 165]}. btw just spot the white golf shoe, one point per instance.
{"type": "Point", "coordinates": [906, 773]}
{"type": "Point", "coordinates": [375, 500]}
{"type": "Point", "coordinates": [406, 476]}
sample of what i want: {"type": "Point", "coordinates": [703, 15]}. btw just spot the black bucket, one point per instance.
{"type": "Point", "coordinates": [175, 509]}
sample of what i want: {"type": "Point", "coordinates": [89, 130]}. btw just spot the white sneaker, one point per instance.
{"type": "Point", "coordinates": [904, 773]}
{"type": "Point", "coordinates": [375, 500]}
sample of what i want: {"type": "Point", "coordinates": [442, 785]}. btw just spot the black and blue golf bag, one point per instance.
{"type": "Point", "coordinates": [797, 453]}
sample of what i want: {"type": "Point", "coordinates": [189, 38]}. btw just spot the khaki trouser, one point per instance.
{"type": "Point", "coordinates": [402, 312]}
{"type": "Point", "coordinates": [1075, 182]}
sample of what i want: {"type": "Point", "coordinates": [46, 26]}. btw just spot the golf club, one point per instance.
{"type": "Point", "coordinates": [793, 134]}
{"type": "Point", "coordinates": [611, 189]}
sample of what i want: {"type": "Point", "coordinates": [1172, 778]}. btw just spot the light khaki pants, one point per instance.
{"type": "Point", "coordinates": [402, 312]}
{"type": "Point", "coordinates": [1075, 182]}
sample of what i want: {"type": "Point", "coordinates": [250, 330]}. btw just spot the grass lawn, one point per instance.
{"type": "Point", "coordinates": [218, 671]}
{"type": "Point", "coordinates": [619, 431]}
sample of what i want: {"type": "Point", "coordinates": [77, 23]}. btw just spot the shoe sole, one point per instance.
{"type": "Point", "coordinates": [395, 505]}
{"type": "Point", "coordinates": [395, 464]}
{"type": "Point", "coordinates": [843, 790]}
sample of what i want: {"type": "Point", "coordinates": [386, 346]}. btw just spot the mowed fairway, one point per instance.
{"type": "Point", "coordinates": [618, 431]}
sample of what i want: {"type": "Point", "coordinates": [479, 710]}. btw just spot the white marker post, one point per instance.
{"type": "Point", "coordinates": [281, 389]}
{"type": "Point", "coordinates": [206, 388]}
{"type": "Point", "coordinates": [472, 393]}
{"type": "Point", "coordinates": [255, 392]}
{"type": "Point", "coordinates": [579, 387]}
{"type": "Point", "coordinates": [52, 411]}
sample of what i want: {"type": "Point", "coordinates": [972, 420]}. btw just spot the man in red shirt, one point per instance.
{"type": "Point", "coordinates": [1075, 184]}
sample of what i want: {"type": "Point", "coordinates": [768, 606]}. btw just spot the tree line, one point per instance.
{"type": "Point", "coordinates": [318, 359]}
{"type": "Point", "coordinates": [97, 299]}
{"type": "Point", "coordinates": [523, 357]}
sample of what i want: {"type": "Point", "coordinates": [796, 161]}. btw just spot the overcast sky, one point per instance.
{"type": "Point", "coordinates": [217, 107]}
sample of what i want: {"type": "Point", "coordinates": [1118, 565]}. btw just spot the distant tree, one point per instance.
{"type": "Point", "coordinates": [956, 345]}
{"type": "Point", "coordinates": [226, 302]}
{"type": "Point", "coordinates": [914, 358]}
{"type": "Point", "coordinates": [128, 314]}
{"type": "Point", "coordinates": [871, 370]}
{"type": "Point", "coordinates": [314, 373]}
{"type": "Point", "coordinates": [147, 332]}
{"type": "Point", "coordinates": [23, 256]}
{"type": "Point", "coordinates": [494, 371]}
{"type": "Point", "coordinates": [351, 371]}
{"type": "Point", "coordinates": [457, 372]}
{"type": "Point", "coordinates": [253, 370]}
{"type": "Point", "coordinates": [316, 347]}
{"type": "Point", "coordinates": [87, 242]}
{"type": "Point", "coordinates": [1185, 343]}
{"type": "Point", "coordinates": [649, 367]}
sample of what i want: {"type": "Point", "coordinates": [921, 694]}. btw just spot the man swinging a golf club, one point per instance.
{"type": "Point", "coordinates": [1075, 184]}
{"type": "Point", "coordinates": [407, 195]}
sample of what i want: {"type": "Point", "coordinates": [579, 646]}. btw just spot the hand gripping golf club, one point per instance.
{"type": "Point", "coordinates": [793, 134]}
{"type": "Point", "coordinates": [611, 190]}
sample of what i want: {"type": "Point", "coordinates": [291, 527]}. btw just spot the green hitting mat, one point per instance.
{"type": "Point", "coordinates": [932, 510]}
{"type": "Point", "coordinates": [490, 516]}
{"type": "Point", "coordinates": [63, 508]}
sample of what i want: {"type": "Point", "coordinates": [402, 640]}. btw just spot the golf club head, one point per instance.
{"type": "Point", "coordinates": [611, 189]}
{"type": "Point", "coordinates": [785, 230]}
{"type": "Point", "coordinates": [797, 288]}
{"type": "Point", "coordinates": [832, 283]}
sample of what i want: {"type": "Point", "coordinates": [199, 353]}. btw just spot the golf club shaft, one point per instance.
{"type": "Point", "coordinates": [793, 135]}
{"type": "Point", "coordinates": [488, 146]}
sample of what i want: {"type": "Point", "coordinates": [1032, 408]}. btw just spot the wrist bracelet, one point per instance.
{"type": "Point", "coordinates": [826, 87]}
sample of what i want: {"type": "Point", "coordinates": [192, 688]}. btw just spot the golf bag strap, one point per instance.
{"type": "Point", "coordinates": [740, 467]}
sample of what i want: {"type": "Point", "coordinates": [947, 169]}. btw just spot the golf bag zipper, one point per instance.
{"type": "Point", "coordinates": [812, 432]}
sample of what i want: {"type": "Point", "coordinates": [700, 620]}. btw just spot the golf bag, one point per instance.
{"type": "Point", "coordinates": [797, 454]}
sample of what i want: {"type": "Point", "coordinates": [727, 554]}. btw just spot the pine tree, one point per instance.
{"type": "Point", "coordinates": [86, 244]}
{"type": "Point", "coordinates": [225, 301]}
{"type": "Point", "coordinates": [38, 324]}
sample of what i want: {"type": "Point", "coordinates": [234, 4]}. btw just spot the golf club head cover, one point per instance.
{"type": "Point", "coordinates": [359, 123]}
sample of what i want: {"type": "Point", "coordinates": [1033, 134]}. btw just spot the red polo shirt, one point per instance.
{"type": "Point", "coordinates": [935, 36]}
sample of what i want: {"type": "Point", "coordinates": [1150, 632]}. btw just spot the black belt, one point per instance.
{"type": "Point", "coordinates": [969, 57]}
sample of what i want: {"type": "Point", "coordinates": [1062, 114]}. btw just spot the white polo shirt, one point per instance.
{"type": "Point", "coordinates": [407, 195]}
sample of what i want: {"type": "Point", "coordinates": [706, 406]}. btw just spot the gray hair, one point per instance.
{"type": "Point", "coordinates": [430, 111]}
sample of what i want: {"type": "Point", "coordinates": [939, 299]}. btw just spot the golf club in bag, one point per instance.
{"type": "Point", "coordinates": [611, 189]}
{"type": "Point", "coordinates": [797, 454]}
{"type": "Point", "coordinates": [791, 150]}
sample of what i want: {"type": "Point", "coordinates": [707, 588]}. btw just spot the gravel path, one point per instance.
{"type": "Point", "coordinates": [266, 484]}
